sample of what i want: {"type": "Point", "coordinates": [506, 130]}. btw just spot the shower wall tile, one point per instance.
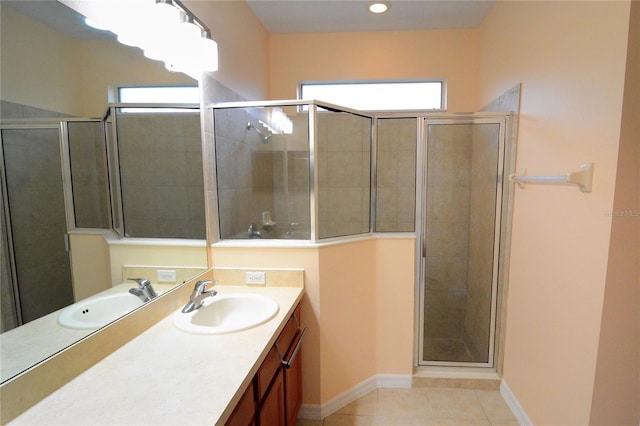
{"type": "Point", "coordinates": [405, 210]}
{"type": "Point", "coordinates": [387, 203]}
{"type": "Point", "coordinates": [481, 238]}
{"type": "Point", "coordinates": [38, 225]}
{"type": "Point", "coordinates": [344, 174]}
{"type": "Point", "coordinates": [345, 169]}
{"type": "Point", "coordinates": [12, 110]}
{"type": "Point", "coordinates": [396, 173]}
{"type": "Point", "coordinates": [345, 133]}
{"type": "Point", "coordinates": [447, 210]}
{"type": "Point", "coordinates": [160, 172]}
{"type": "Point", "coordinates": [388, 134]}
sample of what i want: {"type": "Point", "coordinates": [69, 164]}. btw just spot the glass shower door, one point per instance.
{"type": "Point", "coordinates": [36, 221]}
{"type": "Point", "coordinates": [461, 216]}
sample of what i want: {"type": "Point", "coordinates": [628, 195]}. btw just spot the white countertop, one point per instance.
{"type": "Point", "coordinates": [24, 346]}
{"type": "Point", "coordinates": [166, 376]}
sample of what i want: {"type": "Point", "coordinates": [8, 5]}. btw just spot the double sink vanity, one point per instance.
{"type": "Point", "coordinates": [234, 360]}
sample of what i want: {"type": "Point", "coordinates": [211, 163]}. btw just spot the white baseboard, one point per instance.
{"type": "Point", "coordinates": [318, 412]}
{"type": "Point", "coordinates": [514, 405]}
{"type": "Point", "coordinates": [394, 381]}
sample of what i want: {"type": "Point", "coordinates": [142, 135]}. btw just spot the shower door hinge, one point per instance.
{"type": "Point", "coordinates": [66, 243]}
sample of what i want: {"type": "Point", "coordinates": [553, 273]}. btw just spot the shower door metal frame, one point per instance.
{"type": "Point", "coordinates": [53, 124]}
{"type": "Point", "coordinates": [313, 106]}
{"type": "Point", "coordinates": [112, 148]}
{"type": "Point", "coordinates": [421, 228]}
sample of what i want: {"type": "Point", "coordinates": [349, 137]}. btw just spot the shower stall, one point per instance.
{"type": "Point", "coordinates": [334, 172]}
{"type": "Point", "coordinates": [292, 171]}
{"type": "Point", "coordinates": [137, 171]}
{"type": "Point", "coordinates": [155, 166]}
{"type": "Point", "coordinates": [461, 227]}
{"type": "Point", "coordinates": [441, 176]}
{"type": "Point", "coordinates": [41, 203]}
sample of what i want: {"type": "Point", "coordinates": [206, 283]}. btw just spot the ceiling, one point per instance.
{"type": "Point", "coordinates": [301, 16]}
{"type": "Point", "coordinates": [322, 16]}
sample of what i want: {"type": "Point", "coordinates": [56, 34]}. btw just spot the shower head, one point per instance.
{"type": "Point", "coordinates": [263, 138]}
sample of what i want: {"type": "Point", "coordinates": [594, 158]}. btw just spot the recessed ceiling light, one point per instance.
{"type": "Point", "coordinates": [379, 7]}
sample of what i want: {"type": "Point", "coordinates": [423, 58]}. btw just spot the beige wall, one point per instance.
{"type": "Point", "coordinates": [306, 259]}
{"type": "Point", "coordinates": [97, 265]}
{"type": "Point", "coordinates": [347, 316]}
{"type": "Point", "coordinates": [617, 379]}
{"type": "Point", "coordinates": [43, 68]}
{"type": "Point", "coordinates": [452, 55]}
{"type": "Point", "coordinates": [243, 46]}
{"type": "Point", "coordinates": [353, 293]}
{"type": "Point", "coordinates": [153, 255]}
{"type": "Point", "coordinates": [395, 296]}
{"type": "Point", "coordinates": [38, 65]}
{"type": "Point", "coordinates": [90, 268]}
{"type": "Point", "coordinates": [108, 63]}
{"type": "Point", "coordinates": [570, 58]}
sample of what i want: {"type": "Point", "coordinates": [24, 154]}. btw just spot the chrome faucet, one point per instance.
{"type": "Point", "coordinates": [253, 232]}
{"type": "Point", "coordinates": [293, 227]}
{"type": "Point", "coordinates": [144, 291]}
{"type": "Point", "coordinates": [196, 299]}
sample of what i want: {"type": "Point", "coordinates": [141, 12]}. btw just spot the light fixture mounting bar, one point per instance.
{"type": "Point", "coordinates": [191, 16]}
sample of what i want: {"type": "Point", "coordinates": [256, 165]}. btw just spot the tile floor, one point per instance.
{"type": "Point", "coordinates": [422, 406]}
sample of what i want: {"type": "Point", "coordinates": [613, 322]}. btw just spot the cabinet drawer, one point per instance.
{"type": "Point", "coordinates": [289, 333]}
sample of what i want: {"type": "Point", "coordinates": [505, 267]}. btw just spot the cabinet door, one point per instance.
{"type": "Point", "coordinates": [272, 412]}
{"type": "Point", "coordinates": [244, 413]}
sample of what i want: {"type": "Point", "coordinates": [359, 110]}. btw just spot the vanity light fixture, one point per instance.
{"type": "Point", "coordinates": [165, 30]}
{"type": "Point", "coordinates": [379, 7]}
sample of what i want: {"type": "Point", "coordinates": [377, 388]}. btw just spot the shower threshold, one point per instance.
{"type": "Point", "coordinates": [464, 373]}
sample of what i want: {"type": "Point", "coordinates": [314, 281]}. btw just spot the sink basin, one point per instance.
{"type": "Point", "coordinates": [227, 313]}
{"type": "Point", "coordinates": [98, 311]}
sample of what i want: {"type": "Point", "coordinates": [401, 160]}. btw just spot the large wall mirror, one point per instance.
{"type": "Point", "coordinates": [54, 69]}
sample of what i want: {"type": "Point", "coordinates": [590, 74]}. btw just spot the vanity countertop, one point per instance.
{"type": "Point", "coordinates": [24, 346]}
{"type": "Point", "coordinates": [166, 376]}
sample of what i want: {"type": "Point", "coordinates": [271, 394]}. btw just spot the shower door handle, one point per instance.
{"type": "Point", "coordinates": [67, 247]}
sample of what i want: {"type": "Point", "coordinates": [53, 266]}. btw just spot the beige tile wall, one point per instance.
{"type": "Point", "coordinates": [89, 175]}
{"type": "Point", "coordinates": [162, 183]}
{"type": "Point", "coordinates": [254, 177]}
{"type": "Point", "coordinates": [344, 173]}
{"type": "Point", "coordinates": [449, 164]}
{"type": "Point", "coordinates": [35, 189]}
{"type": "Point", "coordinates": [396, 175]}
{"type": "Point", "coordinates": [481, 239]}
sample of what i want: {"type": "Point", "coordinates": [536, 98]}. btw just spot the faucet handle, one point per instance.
{"type": "Point", "coordinates": [142, 282]}
{"type": "Point", "coordinates": [202, 285]}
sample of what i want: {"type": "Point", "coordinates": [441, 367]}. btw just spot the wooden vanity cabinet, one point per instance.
{"type": "Point", "coordinates": [275, 394]}
{"type": "Point", "coordinates": [245, 411]}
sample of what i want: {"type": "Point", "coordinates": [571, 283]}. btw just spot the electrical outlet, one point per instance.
{"type": "Point", "coordinates": [166, 275]}
{"type": "Point", "coordinates": [255, 277]}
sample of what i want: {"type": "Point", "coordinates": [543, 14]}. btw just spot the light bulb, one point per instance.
{"type": "Point", "coordinates": [379, 7]}
{"type": "Point", "coordinates": [96, 24]}
{"type": "Point", "coordinates": [164, 12]}
{"type": "Point", "coordinates": [188, 31]}
{"type": "Point", "coordinates": [208, 55]}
